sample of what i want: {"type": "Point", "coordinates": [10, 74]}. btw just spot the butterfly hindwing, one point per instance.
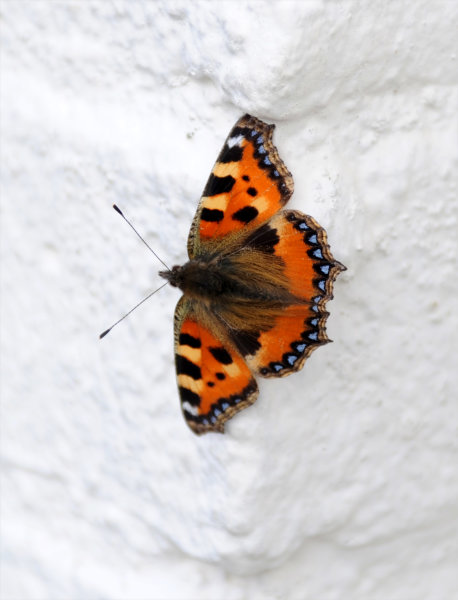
{"type": "Point", "coordinates": [249, 183]}
{"type": "Point", "coordinates": [303, 247]}
{"type": "Point", "coordinates": [310, 270]}
{"type": "Point", "coordinates": [284, 348]}
{"type": "Point", "coordinates": [214, 381]}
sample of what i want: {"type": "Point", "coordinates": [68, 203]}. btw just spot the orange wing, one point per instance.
{"type": "Point", "coordinates": [214, 381]}
{"type": "Point", "coordinates": [311, 271]}
{"type": "Point", "coordinates": [248, 185]}
{"type": "Point", "coordinates": [295, 335]}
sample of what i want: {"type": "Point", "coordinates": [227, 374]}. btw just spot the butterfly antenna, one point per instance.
{"type": "Point", "coordinates": [102, 335]}
{"type": "Point", "coordinates": [118, 210]}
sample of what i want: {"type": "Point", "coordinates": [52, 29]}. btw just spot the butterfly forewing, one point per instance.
{"type": "Point", "coordinates": [214, 381]}
{"type": "Point", "coordinates": [249, 183]}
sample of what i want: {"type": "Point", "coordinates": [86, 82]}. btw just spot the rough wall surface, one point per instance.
{"type": "Point", "coordinates": [341, 481]}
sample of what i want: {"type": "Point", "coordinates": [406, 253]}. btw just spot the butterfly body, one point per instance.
{"type": "Point", "coordinates": [255, 286]}
{"type": "Point", "coordinates": [217, 279]}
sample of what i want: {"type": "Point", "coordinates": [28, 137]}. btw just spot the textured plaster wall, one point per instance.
{"type": "Point", "coordinates": [342, 481]}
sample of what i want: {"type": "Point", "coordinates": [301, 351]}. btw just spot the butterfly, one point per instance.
{"type": "Point", "coordinates": [255, 286]}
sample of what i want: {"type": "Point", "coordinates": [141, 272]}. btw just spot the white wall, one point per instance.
{"type": "Point", "coordinates": [341, 482]}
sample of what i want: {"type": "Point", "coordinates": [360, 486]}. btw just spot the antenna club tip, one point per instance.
{"type": "Point", "coordinates": [102, 335]}
{"type": "Point", "coordinates": [117, 209]}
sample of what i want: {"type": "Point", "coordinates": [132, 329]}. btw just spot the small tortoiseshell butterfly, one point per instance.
{"type": "Point", "coordinates": [255, 286]}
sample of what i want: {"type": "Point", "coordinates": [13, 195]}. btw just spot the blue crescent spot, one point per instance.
{"type": "Point", "coordinates": [315, 308]}
{"type": "Point", "coordinates": [237, 400]}
{"type": "Point", "coordinates": [225, 405]}
{"type": "Point", "coordinates": [217, 412]}
{"type": "Point", "coordinates": [260, 139]}
{"type": "Point", "coordinates": [205, 421]}
{"type": "Point", "coordinates": [261, 150]}
{"type": "Point", "coordinates": [276, 173]}
{"type": "Point", "coordinates": [303, 226]}
{"type": "Point", "coordinates": [324, 269]}
{"type": "Point", "coordinates": [267, 161]}
{"type": "Point", "coordinates": [312, 239]}
{"type": "Point", "coordinates": [317, 298]}
{"type": "Point", "coordinates": [212, 419]}
{"type": "Point", "coordinates": [278, 367]}
{"type": "Point", "coordinates": [318, 253]}
{"type": "Point", "coordinates": [301, 347]}
{"type": "Point", "coordinates": [314, 322]}
{"type": "Point", "coordinates": [292, 359]}
{"type": "Point", "coordinates": [253, 132]}
{"type": "Point", "coordinates": [322, 285]}
{"type": "Point", "coordinates": [313, 336]}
